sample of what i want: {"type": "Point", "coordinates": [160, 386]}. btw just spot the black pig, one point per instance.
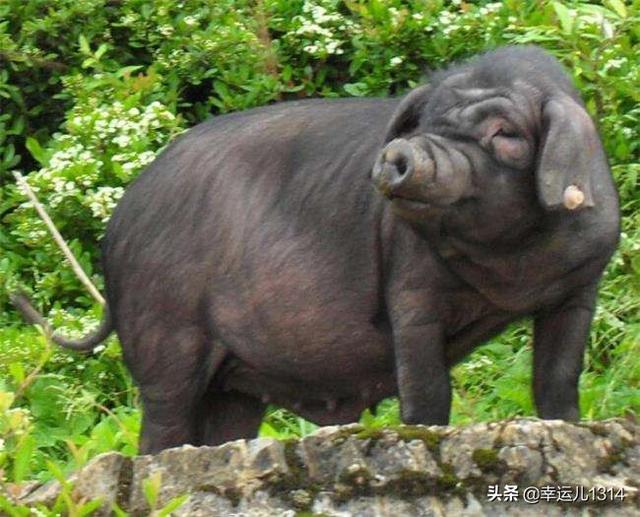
{"type": "Point", "coordinates": [325, 254]}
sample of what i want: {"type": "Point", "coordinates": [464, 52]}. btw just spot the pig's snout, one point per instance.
{"type": "Point", "coordinates": [400, 169]}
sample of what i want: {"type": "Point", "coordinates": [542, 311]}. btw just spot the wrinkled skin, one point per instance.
{"type": "Point", "coordinates": [323, 255]}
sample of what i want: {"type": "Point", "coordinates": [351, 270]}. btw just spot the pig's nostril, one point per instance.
{"type": "Point", "coordinates": [398, 160]}
{"type": "Point", "coordinates": [401, 165]}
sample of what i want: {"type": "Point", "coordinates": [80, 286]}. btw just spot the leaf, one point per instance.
{"type": "Point", "coordinates": [268, 430]}
{"type": "Point", "coordinates": [564, 17]}
{"type": "Point", "coordinates": [356, 89]}
{"type": "Point", "coordinates": [172, 505]}
{"type": "Point", "coordinates": [18, 126]}
{"type": "Point", "coordinates": [22, 457]}
{"type": "Point", "coordinates": [126, 71]}
{"type": "Point", "coordinates": [151, 487]}
{"type": "Point", "coordinates": [13, 510]}
{"type": "Point", "coordinates": [40, 155]}
{"type": "Point", "coordinates": [84, 44]}
{"type": "Point", "coordinates": [222, 90]}
{"type": "Point", "coordinates": [90, 507]}
{"type": "Point", "coordinates": [101, 50]}
{"type": "Point", "coordinates": [17, 372]}
{"type": "Point", "coordinates": [119, 512]}
{"type": "Point", "coordinates": [635, 264]}
{"type": "Point", "coordinates": [6, 399]}
{"type": "Point", "coordinates": [618, 7]}
{"type": "Point", "coordinates": [9, 153]}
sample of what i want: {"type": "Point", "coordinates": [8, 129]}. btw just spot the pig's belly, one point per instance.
{"type": "Point", "coordinates": [317, 324]}
{"type": "Point", "coordinates": [326, 369]}
{"type": "Point", "coordinates": [327, 350]}
{"type": "Point", "coordinates": [331, 381]}
{"type": "Point", "coordinates": [330, 400]}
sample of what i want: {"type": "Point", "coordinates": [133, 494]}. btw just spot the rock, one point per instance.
{"type": "Point", "coordinates": [521, 467]}
{"type": "Point", "coordinates": [106, 477]}
{"type": "Point", "coordinates": [522, 464]}
{"type": "Point", "coordinates": [470, 452]}
{"type": "Point", "coordinates": [224, 474]}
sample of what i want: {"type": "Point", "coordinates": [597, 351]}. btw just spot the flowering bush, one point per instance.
{"type": "Point", "coordinates": [321, 30]}
{"type": "Point", "coordinates": [106, 142]}
{"type": "Point", "coordinates": [84, 172]}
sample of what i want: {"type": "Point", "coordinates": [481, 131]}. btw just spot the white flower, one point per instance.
{"type": "Point", "coordinates": [395, 61]}
{"type": "Point", "coordinates": [615, 63]}
{"type": "Point", "coordinates": [122, 140]}
{"type": "Point", "coordinates": [129, 19]}
{"type": "Point", "coordinates": [395, 15]}
{"type": "Point", "coordinates": [129, 167]}
{"type": "Point", "coordinates": [332, 46]}
{"type": "Point", "coordinates": [146, 157]}
{"type": "Point", "coordinates": [103, 200]}
{"type": "Point", "coordinates": [166, 30]}
{"type": "Point", "coordinates": [190, 20]}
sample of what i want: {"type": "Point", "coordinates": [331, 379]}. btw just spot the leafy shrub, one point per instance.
{"type": "Point", "coordinates": [105, 144]}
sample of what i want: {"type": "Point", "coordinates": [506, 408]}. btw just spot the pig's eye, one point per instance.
{"type": "Point", "coordinates": [510, 147]}
{"type": "Point", "coordinates": [500, 138]}
{"type": "Point", "coordinates": [507, 133]}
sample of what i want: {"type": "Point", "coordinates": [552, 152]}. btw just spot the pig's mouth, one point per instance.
{"type": "Point", "coordinates": [421, 173]}
{"type": "Point", "coordinates": [401, 197]}
{"type": "Point", "coordinates": [397, 200]}
{"type": "Point", "coordinates": [409, 208]}
{"type": "Point", "coordinates": [408, 202]}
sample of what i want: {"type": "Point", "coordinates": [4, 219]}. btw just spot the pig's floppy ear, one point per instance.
{"type": "Point", "coordinates": [570, 155]}
{"type": "Point", "coordinates": [407, 115]}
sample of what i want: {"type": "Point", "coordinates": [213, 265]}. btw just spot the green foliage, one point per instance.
{"type": "Point", "coordinates": [62, 407]}
{"type": "Point", "coordinates": [91, 91]}
{"type": "Point", "coordinates": [84, 170]}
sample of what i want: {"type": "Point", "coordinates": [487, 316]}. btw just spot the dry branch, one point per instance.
{"type": "Point", "coordinates": [77, 269]}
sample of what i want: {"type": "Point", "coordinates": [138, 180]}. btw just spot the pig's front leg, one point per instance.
{"type": "Point", "coordinates": [560, 338]}
{"type": "Point", "coordinates": [422, 374]}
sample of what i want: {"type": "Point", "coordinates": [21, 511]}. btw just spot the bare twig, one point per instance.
{"type": "Point", "coordinates": [77, 269]}
{"type": "Point", "coordinates": [264, 36]}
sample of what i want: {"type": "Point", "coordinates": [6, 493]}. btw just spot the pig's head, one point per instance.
{"type": "Point", "coordinates": [491, 145]}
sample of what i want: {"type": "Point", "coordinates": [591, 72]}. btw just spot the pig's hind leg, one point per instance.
{"type": "Point", "coordinates": [173, 370]}
{"type": "Point", "coordinates": [229, 415]}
